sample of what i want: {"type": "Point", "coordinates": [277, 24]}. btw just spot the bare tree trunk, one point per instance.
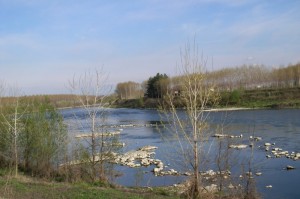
{"type": "Point", "coordinates": [91, 96]}
{"type": "Point", "coordinates": [196, 158]}
{"type": "Point", "coordinates": [13, 127]}
{"type": "Point", "coordinates": [195, 94]}
{"type": "Point", "coordinates": [93, 147]}
{"type": "Point", "coordinates": [15, 141]}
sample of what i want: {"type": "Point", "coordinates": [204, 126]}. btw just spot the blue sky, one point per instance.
{"type": "Point", "coordinates": [43, 43]}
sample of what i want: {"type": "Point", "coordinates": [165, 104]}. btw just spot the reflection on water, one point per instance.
{"type": "Point", "coordinates": [281, 127]}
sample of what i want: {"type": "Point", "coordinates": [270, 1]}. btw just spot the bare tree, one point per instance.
{"type": "Point", "coordinates": [11, 114]}
{"type": "Point", "coordinates": [190, 123]}
{"type": "Point", "coordinates": [129, 90]}
{"type": "Point", "coordinates": [91, 91]}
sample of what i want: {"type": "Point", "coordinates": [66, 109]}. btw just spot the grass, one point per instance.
{"type": "Point", "coordinates": [263, 98]}
{"type": "Point", "coordinates": [25, 187]}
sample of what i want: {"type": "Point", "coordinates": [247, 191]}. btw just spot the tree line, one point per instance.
{"type": "Point", "coordinates": [228, 79]}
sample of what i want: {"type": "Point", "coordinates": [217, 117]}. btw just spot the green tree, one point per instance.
{"type": "Point", "coordinates": [44, 139]}
{"type": "Point", "coordinates": [156, 86]}
{"type": "Point", "coordinates": [32, 134]}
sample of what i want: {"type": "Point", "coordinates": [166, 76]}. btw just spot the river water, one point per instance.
{"type": "Point", "coordinates": [279, 127]}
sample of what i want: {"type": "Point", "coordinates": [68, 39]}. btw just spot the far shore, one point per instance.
{"type": "Point", "coordinates": [206, 110]}
{"type": "Point", "coordinates": [230, 109]}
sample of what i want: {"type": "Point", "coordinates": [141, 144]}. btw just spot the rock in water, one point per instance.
{"type": "Point", "coordinates": [267, 144]}
{"type": "Point", "coordinates": [289, 167]}
{"type": "Point", "coordinates": [148, 148]}
{"type": "Point", "coordinates": [240, 146]}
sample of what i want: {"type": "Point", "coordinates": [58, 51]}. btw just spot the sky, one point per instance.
{"type": "Point", "coordinates": [44, 43]}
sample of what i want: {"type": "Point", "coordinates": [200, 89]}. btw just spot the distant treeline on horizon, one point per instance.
{"type": "Point", "coordinates": [227, 79]}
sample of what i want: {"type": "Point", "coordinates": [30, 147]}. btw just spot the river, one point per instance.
{"type": "Point", "coordinates": [278, 127]}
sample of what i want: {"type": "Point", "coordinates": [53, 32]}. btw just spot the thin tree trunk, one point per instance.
{"type": "Point", "coordinates": [196, 160]}
{"type": "Point", "coordinates": [93, 148]}
{"type": "Point", "coordinates": [15, 141]}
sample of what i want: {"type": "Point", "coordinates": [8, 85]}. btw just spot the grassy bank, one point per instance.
{"type": "Point", "coordinates": [26, 187]}
{"type": "Point", "coordinates": [256, 98]}
{"type": "Point", "coordinates": [262, 98]}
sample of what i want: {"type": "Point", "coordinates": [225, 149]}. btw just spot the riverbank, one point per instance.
{"type": "Point", "coordinates": [233, 100]}
{"type": "Point", "coordinates": [26, 187]}
{"type": "Point", "coordinates": [268, 98]}
{"type": "Point", "coordinates": [229, 109]}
